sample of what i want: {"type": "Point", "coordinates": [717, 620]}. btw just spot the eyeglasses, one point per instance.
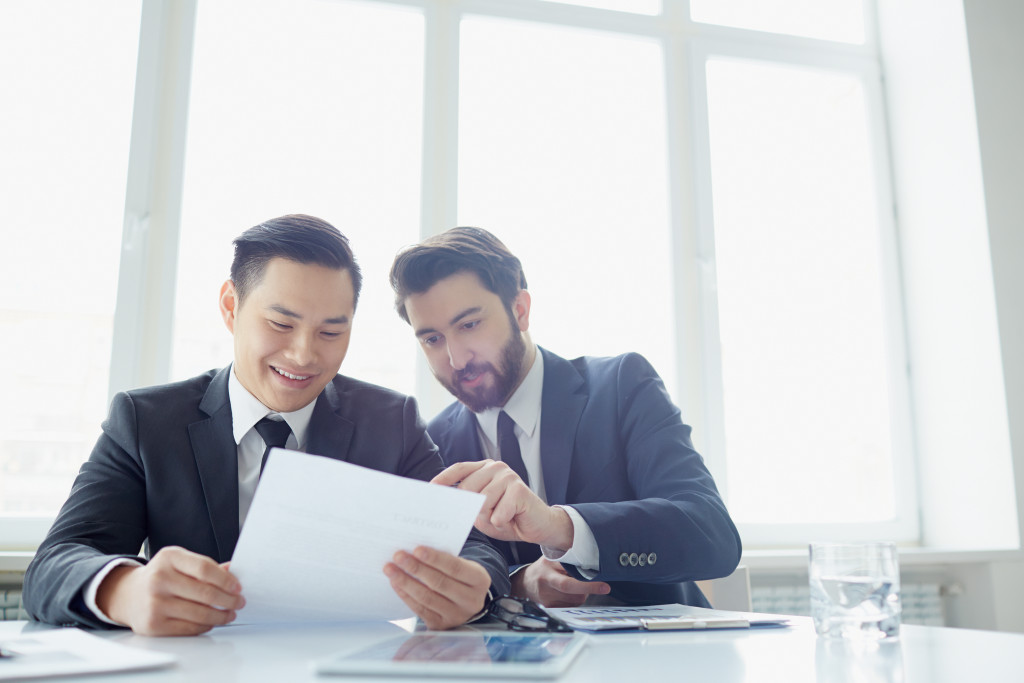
{"type": "Point", "coordinates": [521, 614]}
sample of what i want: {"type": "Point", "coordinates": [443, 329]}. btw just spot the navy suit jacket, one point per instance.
{"type": "Point", "coordinates": [614, 447]}
{"type": "Point", "coordinates": [165, 472]}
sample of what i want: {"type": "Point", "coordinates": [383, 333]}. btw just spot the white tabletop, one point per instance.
{"type": "Point", "coordinates": [785, 655]}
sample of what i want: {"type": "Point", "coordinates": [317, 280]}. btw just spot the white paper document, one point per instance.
{"type": "Point", "coordinates": [69, 651]}
{"type": "Point", "coordinates": [674, 617]}
{"type": "Point", "coordinates": [319, 532]}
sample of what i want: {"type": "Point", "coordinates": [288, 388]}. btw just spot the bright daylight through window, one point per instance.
{"type": "Point", "coordinates": [709, 190]}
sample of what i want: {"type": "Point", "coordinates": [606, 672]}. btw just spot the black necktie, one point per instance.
{"type": "Point", "coordinates": [508, 447]}
{"type": "Point", "coordinates": [275, 435]}
{"type": "Point", "coordinates": [511, 455]}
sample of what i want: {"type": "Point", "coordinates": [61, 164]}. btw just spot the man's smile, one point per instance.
{"type": "Point", "coordinates": [288, 375]}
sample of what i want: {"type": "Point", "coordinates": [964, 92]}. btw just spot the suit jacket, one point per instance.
{"type": "Point", "coordinates": [614, 447]}
{"type": "Point", "coordinates": [165, 472]}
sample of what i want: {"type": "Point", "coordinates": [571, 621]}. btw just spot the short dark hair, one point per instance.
{"type": "Point", "coordinates": [419, 267]}
{"type": "Point", "coordinates": [296, 237]}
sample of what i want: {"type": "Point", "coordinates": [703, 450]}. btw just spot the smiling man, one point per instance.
{"type": "Point", "coordinates": [177, 465]}
{"type": "Point", "coordinates": [589, 472]}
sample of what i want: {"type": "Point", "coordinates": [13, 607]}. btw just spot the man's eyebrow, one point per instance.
{"type": "Point", "coordinates": [459, 316]}
{"type": "Point", "coordinates": [285, 312]}
{"type": "Point", "coordinates": [340, 320]}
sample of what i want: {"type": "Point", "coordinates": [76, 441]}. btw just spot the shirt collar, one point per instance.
{"type": "Point", "coordinates": [523, 406]}
{"type": "Point", "coordinates": [246, 411]}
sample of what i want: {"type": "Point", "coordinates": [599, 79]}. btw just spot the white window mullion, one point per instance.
{"type": "Point", "coordinates": [440, 180]}
{"type": "Point", "coordinates": [141, 352]}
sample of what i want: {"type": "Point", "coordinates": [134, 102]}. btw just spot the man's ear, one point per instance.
{"type": "Point", "coordinates": [229, 304]}
{"type": "Point", "coordinates": [521, 310]}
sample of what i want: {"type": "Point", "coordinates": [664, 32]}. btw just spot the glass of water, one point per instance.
{"type": "Point", "coordinates": [855, 590]}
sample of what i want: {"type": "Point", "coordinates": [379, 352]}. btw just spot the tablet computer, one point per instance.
{"type": "Point", "coordinates": [476, 654]}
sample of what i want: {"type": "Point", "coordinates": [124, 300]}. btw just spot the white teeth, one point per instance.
{"type": "Point", "coordinates": [290, 375]}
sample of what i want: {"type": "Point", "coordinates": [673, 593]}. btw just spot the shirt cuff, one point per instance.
{"type": "Point", "coordinates": [93, 587]}
{"type": "Point", "coordinates": [583, 553]}
{"type": "Point", "coordinates": [487, 607]}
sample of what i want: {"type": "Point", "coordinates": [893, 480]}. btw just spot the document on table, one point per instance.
{"type": "Point", "coordinates": [41, 653]}
{"type": "Point", "coordinates": [319, 532]}
{"type": "Point", "coordinates": [674, 617]}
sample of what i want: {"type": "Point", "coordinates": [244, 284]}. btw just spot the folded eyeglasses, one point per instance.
{"type": "Point", "coordinates": [521, 614]}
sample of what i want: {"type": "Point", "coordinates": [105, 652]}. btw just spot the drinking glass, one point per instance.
{"type": "Point", "coordinates": [855, 590]}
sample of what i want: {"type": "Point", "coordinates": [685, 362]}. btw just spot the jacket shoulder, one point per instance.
{"type": "Point", "coordinates": [442, 424]}
{"type": "Point", "coordinates": [169, 399]}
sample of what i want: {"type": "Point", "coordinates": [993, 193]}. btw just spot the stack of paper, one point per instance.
{"type": "Point", "coordinates": [69, 651]}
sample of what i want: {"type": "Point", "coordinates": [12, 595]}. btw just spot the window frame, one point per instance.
{"type": "Point", "coordinates": [146, 287]}
{"type": "Point", "coordinates": [862, 64]}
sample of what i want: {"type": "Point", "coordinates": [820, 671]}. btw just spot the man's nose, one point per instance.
{"type": "Point", "coordinates": [302, 350]}
{"type": "Point", "coordinates": [458, 355]}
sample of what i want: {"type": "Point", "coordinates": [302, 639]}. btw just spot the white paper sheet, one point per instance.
{"type": "Point", "coordinates": [40, 653]}
{"type": "Point", "coordinates": [319, 532]}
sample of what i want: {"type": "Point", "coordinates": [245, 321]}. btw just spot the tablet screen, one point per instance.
{"type": "Point", "coordinates": [499, 653]}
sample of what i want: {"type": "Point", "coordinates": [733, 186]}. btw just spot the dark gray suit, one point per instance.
{"type": "Point", "coordinates": [165, 472]}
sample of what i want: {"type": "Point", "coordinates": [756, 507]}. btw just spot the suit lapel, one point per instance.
{"type": "Point", "coordinates": [330, 433]}
{"type": "Point", "coordinates": [216, 457]}
{"type": "Point", "coordinates": [562, 402]}
{"type": "Point", "coordinates": [464, 431]}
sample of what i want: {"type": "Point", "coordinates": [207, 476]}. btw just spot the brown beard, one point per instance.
{"type": "Point", "coordinates": [506, 379]}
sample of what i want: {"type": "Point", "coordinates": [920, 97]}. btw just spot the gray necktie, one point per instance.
{"type": "Point", "coordinates": [275, 434]}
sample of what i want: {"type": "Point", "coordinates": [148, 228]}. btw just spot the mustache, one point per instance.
{"type": "Point", "coordinates": [472, 369]}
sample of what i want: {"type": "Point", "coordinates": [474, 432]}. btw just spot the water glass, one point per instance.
{"type": "Point", "coordinates": [855, 590]}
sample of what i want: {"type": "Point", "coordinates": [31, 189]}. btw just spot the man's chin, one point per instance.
{"type": "Point", "coordinates": [474, 402]}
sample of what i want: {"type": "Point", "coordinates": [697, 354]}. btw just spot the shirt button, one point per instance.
{"type": "Point", "coordinates": [624, 559]}
{"type": "Point", "coordinates": [643, 559]}
{"type": "Point", "coordinates": [652, 558]}
{"type": "Point", "coordinates": [633, 560]}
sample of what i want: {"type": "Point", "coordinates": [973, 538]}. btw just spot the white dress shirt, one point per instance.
{"type": "Point", "coordinates": [246, 411]}
{"type": "Point", "coordinates": [524, 407]}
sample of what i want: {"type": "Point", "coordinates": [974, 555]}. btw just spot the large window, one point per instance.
{"type": "Point", "coordinates": [68, 70]}
{"type": "Point", "coordinates": [703, 182]}
{"type": "Point", "coordinates": [301, 107]}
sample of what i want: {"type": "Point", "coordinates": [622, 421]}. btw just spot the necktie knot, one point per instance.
{"type": "Point", "coordinates": [274, 434]}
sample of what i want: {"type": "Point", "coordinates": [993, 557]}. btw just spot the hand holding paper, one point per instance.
{"type": "Point", "coordinates": [444, 590]}
{"type": "Point", "coordinates": [320, 532]}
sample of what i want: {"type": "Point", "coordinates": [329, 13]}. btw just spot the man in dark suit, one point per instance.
{"type": "Point", "coordinates": [177, 465]}
{"type": "Point", "coordinates": [588, 458]}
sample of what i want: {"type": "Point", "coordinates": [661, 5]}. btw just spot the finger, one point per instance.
{"type": "Point", "coordinates": [503, 487]}
{"type": "Point", "coordinates": [442, 572]}
{"type": "Point", "coordinates": [571, 586]}
{"type": "Point", "coordinates": [172, 627]}
{"type": "Point", "coordinates": [204, 569]}
{"type": "Point", "coordinates": [459, 471]}
{"type": "Point", "coordinates": [197, 614]}
{"type": "Point", "coordinates": [399, 582]}
{"type": "Point", "coordinates": [508, 511]}
{"type": "Point", "coordinates": [165, 579]}
{"type": "Point", "coordinates": [461, 570]}
{"type": "Point", "coordinates": [454, 599]}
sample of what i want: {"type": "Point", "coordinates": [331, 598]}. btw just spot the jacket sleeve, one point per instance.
{"type": "Point", "coordinates": [103, 518]}
{"type": "Point", "coordinates": [675, 526]}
